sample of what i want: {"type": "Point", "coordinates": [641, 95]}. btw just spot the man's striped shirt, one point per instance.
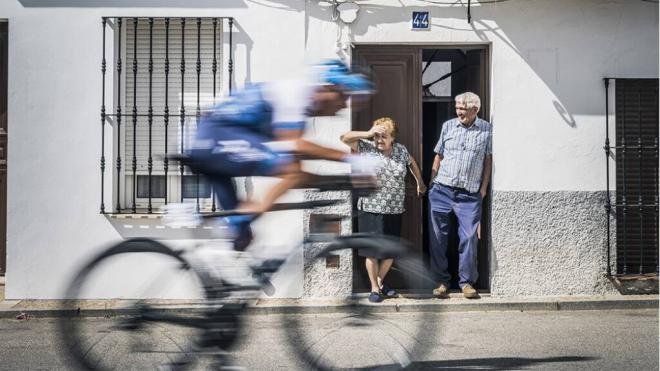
{"type": "Point", "coordinates": [463, 151]}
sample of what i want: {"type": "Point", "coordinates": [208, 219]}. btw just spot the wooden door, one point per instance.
{"type": "Point", "coordinates": [396, 72]}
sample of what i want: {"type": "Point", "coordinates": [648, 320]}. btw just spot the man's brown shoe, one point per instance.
{"type": "Point", "coordinates": [469, 292]}
{"type": "Point", "coordinates": [441, 291]}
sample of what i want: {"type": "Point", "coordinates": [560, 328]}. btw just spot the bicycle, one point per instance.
{"type": "Point", "coordinates": [217, 291]}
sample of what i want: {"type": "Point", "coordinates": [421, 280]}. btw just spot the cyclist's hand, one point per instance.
{"type": "Point", "coordinates": [364, 164]}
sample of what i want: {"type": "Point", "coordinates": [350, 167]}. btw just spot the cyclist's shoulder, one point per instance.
{"type": "Point", "coordinates": [249, 98]}
{"type": "Point", "coordinates": [251, 93]}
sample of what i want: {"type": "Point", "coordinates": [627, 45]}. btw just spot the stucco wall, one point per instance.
{"type": "Point", "coordinates": [549, 243]}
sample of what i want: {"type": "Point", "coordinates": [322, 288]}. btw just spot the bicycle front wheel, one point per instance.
{"type": "Point", "coordinates": [150, 279]}
{"type": "Point", "coordinates": [362, 335]}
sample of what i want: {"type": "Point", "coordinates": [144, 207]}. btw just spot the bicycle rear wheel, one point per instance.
{"type": "Point", "coordinates": [362, 335]}
{"type": "Point", "coordinates": [142, 273]}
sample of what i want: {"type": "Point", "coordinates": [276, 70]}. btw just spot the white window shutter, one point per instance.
{"type": "Point", "coordinates": [175, 99]}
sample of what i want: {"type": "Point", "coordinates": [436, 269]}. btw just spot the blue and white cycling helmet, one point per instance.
{"type": "Point", "coordinates": [336, 72]}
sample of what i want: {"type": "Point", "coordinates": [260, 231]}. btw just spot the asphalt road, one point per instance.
{"type": "Point", "coordinates": [559, 340]}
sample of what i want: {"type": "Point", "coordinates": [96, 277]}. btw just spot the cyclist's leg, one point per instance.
{"type": "Point", "coordinates": [224, 152]}
{"type": "Point", "coordinates": [225, 193]}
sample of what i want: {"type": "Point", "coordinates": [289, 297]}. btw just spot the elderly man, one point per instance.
{"type": "Point", "coordinates": [461, 172]}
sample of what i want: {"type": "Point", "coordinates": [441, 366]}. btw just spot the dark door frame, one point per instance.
{"type": "Point", "coordinates": [485, 243]}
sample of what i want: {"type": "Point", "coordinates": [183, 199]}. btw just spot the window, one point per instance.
{"type": "Point", "coordinates": [436, 79]}
{"type": "Point", "coordinates": [158, 186]}
{"type": "Point", "coordinates": [637, 175]}
{"type": "Point", "coordinates": [165, 72]}
{"type": "Point", "coordinates": [194, 186]}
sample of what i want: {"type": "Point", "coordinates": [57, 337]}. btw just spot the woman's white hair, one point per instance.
{"type": "Point", "coordinates": [470, 99]}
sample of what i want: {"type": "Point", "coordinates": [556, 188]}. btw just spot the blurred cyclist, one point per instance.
{"type": "Point", "coordinates": [258, 132]}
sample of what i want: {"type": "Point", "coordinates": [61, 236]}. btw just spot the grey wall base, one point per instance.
{"type": "Point", "coordinates": [549, 243]}
{"type": "Point", "coordinates": [319, 280]}
{"type": "Point", "coordinates": [543, 244]}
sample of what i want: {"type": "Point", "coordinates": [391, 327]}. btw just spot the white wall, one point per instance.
{"type": "Point", "coordinates": [548, 61]}
{"type": "Point", "coordinates": [54, 109]}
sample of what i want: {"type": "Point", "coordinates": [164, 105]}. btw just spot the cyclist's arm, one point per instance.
{"type": "Point", "coordinates": [288, 134]}
{"type": "Point", "coordinates": [306, 148]}
{"type": "Point", "coordinates": [291, 175]}
{"type": "Point", "coordinates": [312, 150]}
{"type": "Point", "coordinates": [289, 101]}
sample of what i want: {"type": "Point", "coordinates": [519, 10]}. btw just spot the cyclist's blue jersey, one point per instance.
{"type": "Point", "coordinates": [264, 108]}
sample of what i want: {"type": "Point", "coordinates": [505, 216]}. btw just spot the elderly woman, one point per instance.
{"type": "Point", "coordinates": [381, 212]}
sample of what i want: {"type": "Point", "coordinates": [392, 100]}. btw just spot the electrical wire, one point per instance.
{"type": "Point", "coordinates": [460, 2]}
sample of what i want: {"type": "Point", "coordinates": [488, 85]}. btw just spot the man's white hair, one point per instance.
{"type": "Point", "coordinates": [470, 99]}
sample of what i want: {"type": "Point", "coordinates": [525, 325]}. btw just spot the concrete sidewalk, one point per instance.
{"type": "Point", "coordinates": [455, 303]}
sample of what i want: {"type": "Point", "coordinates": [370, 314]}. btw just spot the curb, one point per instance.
{"type": "Point", "coordinates": [295, 307]}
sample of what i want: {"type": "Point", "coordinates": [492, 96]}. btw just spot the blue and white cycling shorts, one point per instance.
{"type": "Point", "coordinates": [235, 151]}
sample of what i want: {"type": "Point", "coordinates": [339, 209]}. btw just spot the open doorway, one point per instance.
{"type": "Point", "coordinates": [445, 74]}
{"type": "Point", "coordinates": [415, 86]}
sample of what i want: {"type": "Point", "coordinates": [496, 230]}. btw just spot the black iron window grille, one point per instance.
{"type": "Point", "coordinates": [163, 73]}
{"type": "Point", "coordinates": [635, 149]}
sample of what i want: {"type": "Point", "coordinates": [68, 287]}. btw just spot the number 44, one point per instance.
{"type": "Point", "coordinates": [420, 20]}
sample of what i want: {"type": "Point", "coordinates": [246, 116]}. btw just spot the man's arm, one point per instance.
{"type": "Point", "coordinates": [439, 153]}
{"type": "Point", "coordinates": [485, 176]}
{"type": "Point", "coordinates": [436, 166]}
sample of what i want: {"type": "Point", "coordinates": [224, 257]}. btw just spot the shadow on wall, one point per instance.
{"type": "Point", "coordinates": [567, 117]}
{"type": "Point", "coordinates": [241, 37]}
{"type": "Point", "coordinates": [568, 45]}
{"type": "Point", "coordinates": [558, 58]}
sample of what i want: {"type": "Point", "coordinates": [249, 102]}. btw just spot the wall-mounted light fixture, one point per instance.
{"type": "Point", "coordinates": [348, 11]}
